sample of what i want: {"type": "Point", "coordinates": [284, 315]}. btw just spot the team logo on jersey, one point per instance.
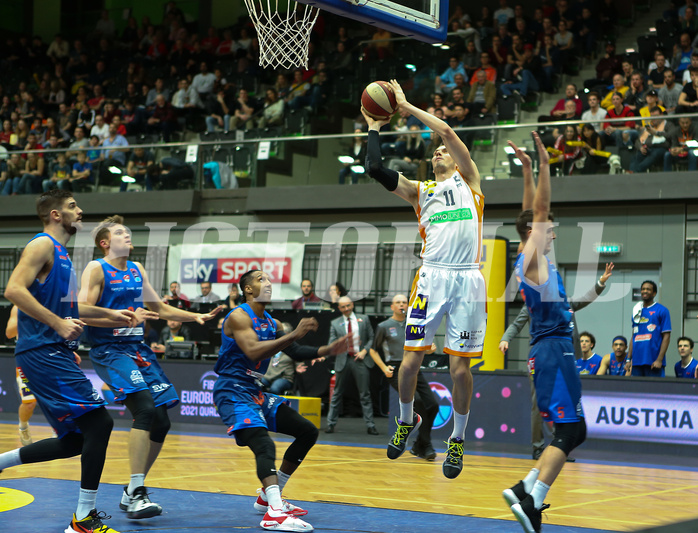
{"type": "Point", "coordinates": [264, 326]}
{"type": "Point", "coordinates": [136, 277]}
{"type": "Point", "coordinates": [127, 278]}
{"type": "Point", "coordinates": [414, 333]}
{"type": "Point", "coordinates": [429, 188]}
{"type": "Point", "coordinates": [112, 273]}
{"type": "Point", "coordinates": [651, 327]}
{"type": "Point", "coordinates": [419, 307]}
{"type": "Point", "coordinates": [456, 215]}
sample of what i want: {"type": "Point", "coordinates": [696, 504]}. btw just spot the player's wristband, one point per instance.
{"type": "Point", "coordinates": [374, 163]}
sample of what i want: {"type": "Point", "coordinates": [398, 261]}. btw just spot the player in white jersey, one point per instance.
{"type": "Point", "coordinates": [449, 210]}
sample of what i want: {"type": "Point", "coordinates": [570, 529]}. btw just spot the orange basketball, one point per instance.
{"type": "Point", "coordinates": [378, 100]}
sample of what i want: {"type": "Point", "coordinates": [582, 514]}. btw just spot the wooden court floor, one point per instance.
{"type": "Point", "coordinates": [598, 496]}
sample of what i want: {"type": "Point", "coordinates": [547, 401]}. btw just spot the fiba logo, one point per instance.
{"type": "Point", "coordinates": [445, 404]}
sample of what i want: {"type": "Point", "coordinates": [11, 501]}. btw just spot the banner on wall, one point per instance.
{"type": "Point", "coordinates": [495, 253]}
{"type": "Point", "coordinates": [224, 263]}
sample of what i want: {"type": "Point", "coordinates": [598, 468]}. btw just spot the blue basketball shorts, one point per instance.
{"type": "Point", "coordinates": [558, 387]}
{"type": "Point", "coordinates": [130, 367]}
{"type": "Point", "coordinates": [59, 386]}
{"type": "Point", "coordinates": [241, 410]}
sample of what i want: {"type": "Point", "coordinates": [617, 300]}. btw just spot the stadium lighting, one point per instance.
{"type": "Point", "coordinates": [347, 160]}
{"type": "Point", "coordinates": [128, 179]}
{"type": "Point", "coordinates": [114, 170]}
{"type": "Point", "coordinates": [358, 169]}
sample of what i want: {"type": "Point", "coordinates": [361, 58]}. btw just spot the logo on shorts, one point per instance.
{"type": "Point", "coordinates": [419, 307]}
{"type": "Point", "coordinates": [160, 387]}
{"type": "Point", "coordinates": [465, 335]}
{"type": "Point", "coordinates": [414, 333]}
{"type": "Point", "coordinates": [136, 377]}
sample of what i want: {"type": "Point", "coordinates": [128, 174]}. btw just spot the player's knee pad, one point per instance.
{"type": "Point", "coordinates": [305, 439]}
{"type": "Point", "coordinates": [262, 446]}
{"type": "Point", "coordinates": [161, 424]}
{"type": "Point", "coordinates": [570, 435]}
{"type": "Point", "coordinates": [142, 409]}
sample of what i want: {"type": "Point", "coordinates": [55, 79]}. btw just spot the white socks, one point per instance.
{"type": "Point", "coordinates": [273, 497]}
{"type": "Point", "coordinates": [530, 479]}
{"type": "Point", "coordinates": [9, 459]}
{"type": "Point", "coordinates": [283, 479]}
{"type": "Point", "coordinates": [86, 502]}
{"type": "Point", "coordinates": [460, 422]}
{"type": "Point", "coordinates": [407, 412]}
{"type": "Point", "coordinates": [137, 480]}
{"type": "Point", "coordinates": [539, 492]}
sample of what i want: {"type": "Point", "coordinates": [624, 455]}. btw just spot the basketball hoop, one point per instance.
{"type": "Point", "coordinates": [283, 37]}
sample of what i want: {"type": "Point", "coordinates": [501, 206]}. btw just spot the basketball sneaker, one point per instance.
{"type": "Point", "coordinates": [25, 436]}
{"type": "Point", "coordinates": [262, 505]}
{"type": "Point", "coordinates": [515, 494]}
{"type": "Point", "coordinates": [397, 444]}
{"type": "Point", "coordinates": [528, 516]}
{"type": "Point", "coordinates": [454, 458]}
{"type": "Point", "coordinates": [278, 520]}
{"type": "Point", "coordinates": [426, 452]}
{"type": "Point", "coordinates": [90, 524]}
{"type": "Point", "coordinates": [138, 505]}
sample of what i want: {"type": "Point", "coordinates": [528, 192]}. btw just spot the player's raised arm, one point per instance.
{"type": "Point", "coordinates": [527, 169]}
{"type": "Point", "coordinates": [541, 232]}
{"type": "Point", "coordinates": [455, 146]}
{"type": "Point", "coordinates": [390, 179]}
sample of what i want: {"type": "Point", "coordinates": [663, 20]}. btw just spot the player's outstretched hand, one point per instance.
{"type": "Point", "coordinates": [521, 155]}
{"type": "Point", "coordinates": [543, 155]}
{"type": "Point", "coordinates": [399, 93]}
{"type": "Point", "coordinates": [124, 316]}
{"type": "Point", "coordinates": [371, 121]}
{"type": "Point", "coordinates": [607, 273]}
{"type": "Point", "coordinates": [306, 325]}
{"type": "Point", "coordinates": [70, 328]}
{"type": "Point", "coordinates": [341, 345]}
{"type": "Point", "coordinates": [205, 317]}
{"type": "Point", "coordinates": [143, 314]}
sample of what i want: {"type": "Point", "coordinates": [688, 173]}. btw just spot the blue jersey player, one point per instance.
{"type": "Point", "coordinates": [589, 362]}
{"type": "Point", "coordinates": [551, 359]}
{"type": "Point", "coordinates": [126, 363]}
{"type": "Point", "coordinates": [43, 287]}
{"type": "Point", "coordinates": [250, 338]}
{"type": "Point", "coordinates": [616, 363]}
{"type": "Point", "coordinates": [687, 367]}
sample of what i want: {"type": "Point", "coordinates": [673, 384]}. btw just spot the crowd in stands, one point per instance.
{"type": "Point", "coordinates": [102, 92]}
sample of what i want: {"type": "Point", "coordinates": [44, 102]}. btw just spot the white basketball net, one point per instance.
{"type": "Point", "coordinates": [283, 37]}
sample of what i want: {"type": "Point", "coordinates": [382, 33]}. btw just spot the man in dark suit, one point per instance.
{"type": "Point", "coordinates": [353, 361]}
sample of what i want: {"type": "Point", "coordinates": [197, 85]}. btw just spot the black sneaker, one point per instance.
{"type": "Point", "coordinates": [426, 452]}
{"type": "Point", "coordinates": [454, 458]}
{"type": "Point", "coordinates": [515, 494]}
{"type": "Point", "coordinates": [397, 444]}
{"type": "Point", "coordinates": [528, 516]}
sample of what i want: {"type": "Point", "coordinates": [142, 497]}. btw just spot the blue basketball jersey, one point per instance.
{"type": "Point", "coordinates": [58, 294]}
{"type": "Point", "coordinates": [233, 365]}
{"type": "Point", "coordinates": [649, 323]}
{"type": "Point", "coordinates": [616, 368]}
{"type": "Point", "coordinates": [688, 372]}
{"type": "Point", "coordinates": [550, 312]}
{"type": "Point", "coordinates": [589, 366]}
{"type": "Point", "coordinates": [122, 290]}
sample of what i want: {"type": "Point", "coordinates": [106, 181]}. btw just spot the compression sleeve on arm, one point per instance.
{"type": "Point", "coordinates": [298, 352]}
{"type": "Point", "coordinates": [374, 164]}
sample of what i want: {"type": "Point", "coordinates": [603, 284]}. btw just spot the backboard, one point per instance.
{"type": "Point", "coordinates": [424, 20]}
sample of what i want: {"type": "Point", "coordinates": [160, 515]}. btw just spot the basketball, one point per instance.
{"type": "Point", "coordinates": [378, 100]}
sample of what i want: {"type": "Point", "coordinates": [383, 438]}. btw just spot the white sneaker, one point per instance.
{"type": "Point", "coordinates": [261, 505]}
{"type": "Point", "coordinates": [139, 505]}
{"type": "Point", "coordinates": [277, 520]}
{"type": "Point", "coordinates": [25, 436]}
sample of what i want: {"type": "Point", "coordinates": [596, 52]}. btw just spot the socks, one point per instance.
{"type": "Point", "coordinates": [86, 502]}
{"type": "Point", "coordinates": [539, 492]}
{"type": "Point", "coordinates": [9, 459]}
{"type": "Point", "coordinates": [530, 479]}
{"type": "Point", "coordinates": [406, 411]}
{"type": "Point", "coordinates": [460, 422]}
{"type": "Point", "coordinates": [137, 480]}
{"type": "Point", "coordinates": [283, 479]}
{"type": "Point", "coordinates": [273, 497]}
